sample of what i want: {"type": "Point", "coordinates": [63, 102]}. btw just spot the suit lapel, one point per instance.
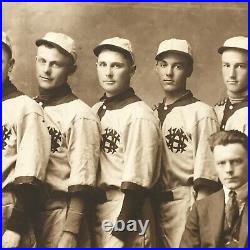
{"type": "Point", "coordinates": [216, 208]}
{"type": "Point", "coordinates": [244, 227]}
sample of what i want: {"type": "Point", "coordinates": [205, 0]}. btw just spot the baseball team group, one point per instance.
{"type": "Point", "coordinates": [181, 166]}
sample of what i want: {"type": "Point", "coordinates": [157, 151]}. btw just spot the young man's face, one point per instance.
{"type": "Point", "coordinates": [173, 70]}
{"type": "Point", "coordinates": [114, 72]}
{"type": "Point", "coordinates": [231, 163]}
{"type": "Point", "coordinates": [235, 71]}
{"type": "Point", "coordinates": [7, 64]}
{"type": "Point", "coordinates": [52, 67]}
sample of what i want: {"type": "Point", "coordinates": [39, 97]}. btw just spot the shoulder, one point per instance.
{"type": "Point", "coordinates": [96, 106]}
{"type": "Point", "coordinates": [221, 102]}
{"type": "Point", "coordinates": [27, 105]}
{"type": "Point", "coordinates": [82, 110]}
{"type": "Point", "coordinates": [140, 110]}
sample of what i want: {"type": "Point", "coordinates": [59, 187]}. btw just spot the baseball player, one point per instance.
{"type": "Point", "coordinates": [187, 167]}
{"type": "Point", "coordinates": [232, 113]}
{"type": "Point", "coordinates": [75, 146]}
{"type": "Point", "coordinates": [130, 148]}
{"type": "Point", "coordinates": [25, 154]}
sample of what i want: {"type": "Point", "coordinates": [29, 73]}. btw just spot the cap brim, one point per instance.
{"type": "Point", "coordinates": [97, 50]}
{"type": "Point", "coordinates": [40, 42]}
{"type": "Point", "coordinates": [223, 48]}
{"type": "Point", "coordinates": [175, 51]}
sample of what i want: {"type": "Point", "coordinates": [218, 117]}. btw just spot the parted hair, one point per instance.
{"type": "Point", "coordinates": [228, 137]}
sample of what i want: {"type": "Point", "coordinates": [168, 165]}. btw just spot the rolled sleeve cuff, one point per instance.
{"type": "Point", "coordinates": [211, 185]}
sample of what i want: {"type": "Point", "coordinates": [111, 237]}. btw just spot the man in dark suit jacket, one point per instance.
{"type": "Point", "coordinates": [221, 219]}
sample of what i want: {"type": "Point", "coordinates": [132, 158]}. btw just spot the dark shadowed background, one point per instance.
{"type": "Point", "coordinates": [205, 25]}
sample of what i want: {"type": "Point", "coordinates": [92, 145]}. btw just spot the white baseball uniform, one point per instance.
{"type": "Point", "coordinates": [187, 162]}
{"type": "Point", "coordinates": [130, 152]}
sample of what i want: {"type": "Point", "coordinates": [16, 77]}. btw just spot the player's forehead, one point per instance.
{"type": "Point", "coordinates": [111, 56]}
{"type": "Point", "coordinates": [235, 55]}
{"type": "Point", "coordinates": [173, 58]}
{"type": "Point", "coordinates": [230, 151]}
{"type": "Point", "coordinates": [51, 54]}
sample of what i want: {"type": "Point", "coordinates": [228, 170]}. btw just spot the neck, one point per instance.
{"type": "Point", "coordinates": [110, 95]}
{"type": "Point", "coordinates": [240, 95]}
{"type": "Point", "coordinates": [171, 97]}
{"type": "Point", "coordinates": [60, 91]}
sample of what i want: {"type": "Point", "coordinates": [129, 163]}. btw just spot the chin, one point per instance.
{"type": "Point", "coordinates": [45, 86]}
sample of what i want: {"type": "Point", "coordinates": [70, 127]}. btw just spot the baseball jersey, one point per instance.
{"type": "Point", "coordinates": [130, 144]}
{"type": "Point", "coordinates": [25, 139]}
{"type": "Point", "coordinates": [75, 141]}
{"type": "Point", "coordinates": [186, 158]}
{"type": "Point", "coordinates": [233, 116]}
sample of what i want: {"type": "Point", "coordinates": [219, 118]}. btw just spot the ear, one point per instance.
{"type": "Point", "coordinates": [189, 70]}
{"type": "Point", "coordinates": [132, 70]}
{"type": "Point", "coordinates": [11, 64]}
{"type": "Point", "coordinates": [72, 69]}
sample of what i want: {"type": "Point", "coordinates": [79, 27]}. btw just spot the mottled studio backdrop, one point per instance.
{"type": "Point", "coordinates": [204, 25]}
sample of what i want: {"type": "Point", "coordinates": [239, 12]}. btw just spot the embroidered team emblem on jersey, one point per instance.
{"type": "Point", "coordinates": [6, 132]}
{"type": "Point", "coordinates": [110, 140]}
{"type": "Point", "coordinates": [56, 139]}
{"type": "Point", "coordinates": [176, 139]}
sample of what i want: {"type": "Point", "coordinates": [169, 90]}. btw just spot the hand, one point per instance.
{"type": "Point", "coordinates": [10, 239]}
{"type": "Point", "coordinates": [68, 240]}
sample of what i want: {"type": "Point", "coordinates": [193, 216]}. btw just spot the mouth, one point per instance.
{"type": "Point", "coordinates": [232, 82]}
{"type": "Point", "coordinates": [45, 78]}
{"type": "Point", "coordinates": [168, 81]}
{"type": "Point", "coordinates": [229, 180]}
{"type": "Point", "coordinates": [109, 82]}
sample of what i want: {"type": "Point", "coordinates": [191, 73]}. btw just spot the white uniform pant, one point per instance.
{"type": "Point", "coordinates": [28, 240]}
{"type": "Point", "coordinates": [110, 210]}
{"type": "Point", "coordinates": [50, 224]}
{"type": "Point", "coordinates": [173, 216]}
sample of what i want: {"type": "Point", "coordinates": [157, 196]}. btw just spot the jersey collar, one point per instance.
{"type": "Point", "coordinates": [55, 96]}
{"type": "Point", "coordinates": [184, 100]}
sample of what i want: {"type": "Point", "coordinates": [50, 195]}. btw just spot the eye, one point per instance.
{"type": "Point", "coordinates": [102, 64]}
{"type": "Point", "coordinates": [225, 65]}
{"type": "Point", "coordinates": [163, 65]}
{"type": "Point", "coordinates": [241, 66]}
{"type": "Point", "coordinates": [56, 65]}
{"type": "Point", "coordinates": [178, 66]}
{"type": "Point", "coordinates": [41, 60]}
{"type": "Point", "coordinates": [220, 163]}
{"type": "Point", "coordinates": [237, 162]}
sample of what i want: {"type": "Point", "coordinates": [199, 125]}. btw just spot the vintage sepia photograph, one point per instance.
{"type": "Point", "coordinates": [124, 124]}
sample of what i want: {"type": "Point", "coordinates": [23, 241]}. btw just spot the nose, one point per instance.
{"type": "Point", "coordinates": [232, 72]}
{"type": "Point", "coordinates": [229, 168]}
{"type": "Point", "coordinates": [109, 72]}
{"type": "Point", "coordinates": [169, 71]}
{"type": "Point", "coordinates": [47, 69]}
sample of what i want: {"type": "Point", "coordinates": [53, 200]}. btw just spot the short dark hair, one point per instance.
{"type": "Point", "coordinates": [228, 137]}
{"type": "Point", "coordinates": [7, 50]}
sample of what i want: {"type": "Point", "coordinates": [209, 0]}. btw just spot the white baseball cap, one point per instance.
{"type": "Point", "coordinates": [237, 42]}
{"type": "Point", "coordinates": [174, 45]}
{"type": "Point", "coordinates": [61, 41]}
{"type": "Point", "coordinates": [6, 41]}
{"type": "Point", "coordinates": [117, 43]}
